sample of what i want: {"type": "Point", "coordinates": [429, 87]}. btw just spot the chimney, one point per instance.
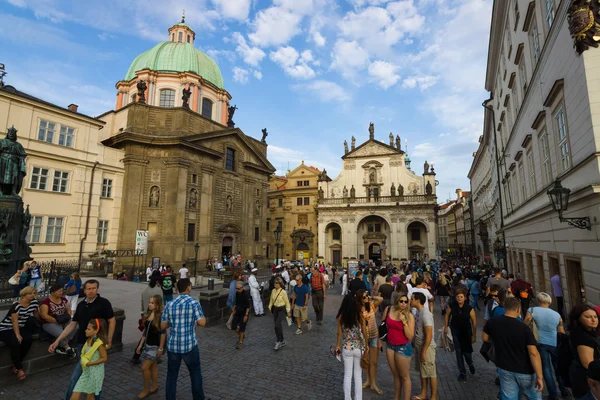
{"type": "Point", "coordinates": [73, 107]}
{"type": "Point", "coordinates": [458, 193]}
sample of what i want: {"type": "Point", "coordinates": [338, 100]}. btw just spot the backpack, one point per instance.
{"type": "Point", "coordinates": [565, 358]}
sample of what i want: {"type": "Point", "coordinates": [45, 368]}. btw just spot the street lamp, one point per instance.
{"type": "Point", "coordinates": [559, 197]}
{"type": "Point", "coordinates": [196, 247]}
{"type": "Point", "coordinates": [277, 237]}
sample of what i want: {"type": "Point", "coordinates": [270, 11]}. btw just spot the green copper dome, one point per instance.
{"type": "Point", "coordinates": [174, 57]}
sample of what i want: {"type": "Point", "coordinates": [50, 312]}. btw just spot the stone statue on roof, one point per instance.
{"type": "Point", "coordinates": [353, 143]}
{"type": "Point", "coordinates": [426, 167]}
{"type": "Point", "coordinates": [141, 91]}
{"type": "Point", "coordinates": [345, 147]}
{"type": "Point", "coordinates": [186, 98]}
{"type": "Point", "coordinates": [398, 141]}
{"type": "Point", "coordinates": [264, 136]}
{"type": "Point", "coordinates": [230, 112]}
{"type": "Point", "coordinates": [371, 131]}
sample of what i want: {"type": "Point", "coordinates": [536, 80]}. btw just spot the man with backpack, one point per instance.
{"type": "Point", "coordinates": [523, 291]}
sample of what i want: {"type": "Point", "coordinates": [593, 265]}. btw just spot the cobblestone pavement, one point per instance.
{"type": "Point", "coordinates": [301, 370]}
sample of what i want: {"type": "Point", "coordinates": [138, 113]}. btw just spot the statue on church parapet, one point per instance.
{"type": "Point", "coordinates": [353, 143]}
{"type": "Point", "coordinates": [426, 167]}
{"type": "Point", "coordinates": [264, 136]}
{"type": "Point", "coordinates": [345, 192]}
{"type": "Point", "coordinates": [393, 191]}
{"type": "Point", "coordinates": [185, 97]}
{"type": "Point", "coordinates": [12, 164]}
{"type": "Point", "coordinates": [345, 147]}
{"type": "Point", "coordinates": [352, 192]}
{"type": "Point", "coordinates": [428, 189]}
{"type": "Point", "coordinates": [321, 194]}
{"type": "Point", "coordinates": [230, 112]}
{"type": "Point", "coordinates": [141, 91]}
{"type": "Point", "coordinates": [391, 139]}
{"type": "Point", "coordinates": [400, 190]}
{"type": "Point", "coordinates": [371, 131]}
{"type": "Point", "coordinates": [398, 143]}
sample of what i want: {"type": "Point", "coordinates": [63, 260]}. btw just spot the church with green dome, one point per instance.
{"type": "Point", "coordinates": [171, 67]}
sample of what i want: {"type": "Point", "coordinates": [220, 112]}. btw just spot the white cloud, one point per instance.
{"type": "Point", "coordinates": [384, 73]}
{"type": "Point", "coordinates": [235, 9]}
{"type": "Point", "coordinates": [424, 82]}
{"type": "Point", "coordinates": [303, 7]}
{"type": "Point", "coordinates": [326, 91]}
{"type": "Point", "coordinates": [251, 55]}
{"type": "Point", "coordinates": [240, 75]}
{"type": "Point", "coordinates": [257, 74]}
{"type": "Point", "coordinates": [221, 54]}
{"type": "Point", "coordinates": [274, 26]}
{"type": "Point", "coordinates": [348, 58]}
{"type": "Point", "coordinates": [293, 63]}
{"type": "Point", "coordinates": [104, 36]}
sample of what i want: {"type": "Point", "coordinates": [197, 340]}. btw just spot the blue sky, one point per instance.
{"type": "Point", "coordinates": [313, 72]}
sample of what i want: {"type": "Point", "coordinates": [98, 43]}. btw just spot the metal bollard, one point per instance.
{"type": "Point", "coordinates": [211, 283]}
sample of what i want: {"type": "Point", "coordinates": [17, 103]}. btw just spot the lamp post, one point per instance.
{"type": "Point", "coordinates": [559, 197]}
{"type": "Point", "coordinates": [277, 237]}
{"type": "Point", "coordinates": [196, 247]}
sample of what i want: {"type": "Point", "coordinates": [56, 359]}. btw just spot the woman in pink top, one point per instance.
{"type": "Point", "coordinates": [401, 329]}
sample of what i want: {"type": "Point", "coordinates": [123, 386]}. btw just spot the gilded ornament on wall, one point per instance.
{"type": "Point", "coordinates": [583, 26]}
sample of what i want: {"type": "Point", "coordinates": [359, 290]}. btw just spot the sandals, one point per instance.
{"type": "Point", "coordinates": [377, 390]}
{"type": "Point", "coordinates": [366, 385]}
{"type": "Point", "coordinates": [21, 375]}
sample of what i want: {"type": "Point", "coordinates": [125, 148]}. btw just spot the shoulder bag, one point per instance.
{"type": "Point", "coordinates": [383, 330]}
{"type": "Point", "coordinates": [532, 325]}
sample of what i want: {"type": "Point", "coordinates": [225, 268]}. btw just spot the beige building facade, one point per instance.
{"type": "Point", "coordinates": [73, 184]}
{"type": "Point", "coordinates": [544, 101]}
{"type": "Point", "coordinates": [291, 203]}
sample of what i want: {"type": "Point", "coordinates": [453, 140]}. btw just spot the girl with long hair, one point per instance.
{"type": "Point", "coordinates": [401, 329]}
{"type": "Point", "coordinates": [583, 321]}
{"type": "Point", "coordinates": [152, 345]}
{"type": "Point", "coordinates": [93, 357]}
{"type": "Point", "coordinates": [368, 306]}
{"type": "Point", "coordinates": [351, 344]}
{"type": "Point", "coordinates": [443, 290]}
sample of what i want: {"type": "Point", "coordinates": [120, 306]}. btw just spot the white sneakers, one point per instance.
{"type": "Point", "coordinates": [299, 331]}
{"type": "Point", "coordinates": [279, 345]}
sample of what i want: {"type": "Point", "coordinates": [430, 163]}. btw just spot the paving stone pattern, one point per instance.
{"type": "Point", "coordinates": [303, 369]}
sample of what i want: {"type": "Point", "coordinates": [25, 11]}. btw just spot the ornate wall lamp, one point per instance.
{"type": "Point", "coordinates": [559, 197]}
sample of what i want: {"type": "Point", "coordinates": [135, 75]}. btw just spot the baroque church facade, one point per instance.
{"type": "Point", "coordinates": [377, 208]}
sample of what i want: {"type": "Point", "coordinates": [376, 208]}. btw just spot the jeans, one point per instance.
{"type": "Point", "coordinates": [192, 362]}
{"type": "Point", "coordinates": [475, 301]}
{"type": "Point", "coordinates": [75, 377]}
{"type": "Point", "coordinates": [167, 298]}
{"type": "Point", "coordinates": [318, 303]}
{"type": "Point", "coordinates": [279, 314]}
{"type": "Point", "coordinates": [459, 354]}
{"type": "Point", "coordinates": [513, 385]}
{"type": "Point", "coordinates": [54, 330]}
{"type": "Point", "coordinates": [549, 356]}
{"type": "Point", "coordinates": [35, 283]}
{"type": "Point", "coordinates": [352, 369]}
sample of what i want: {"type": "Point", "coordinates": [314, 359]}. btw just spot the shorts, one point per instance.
{"type": "Point", "coordinates": [405, 350]}
{"type": "Point", "coordinates": [238, 322]}
{"type": "Point", "coordinates": [373, 342]}
{"type": "Point", "coordinates": [427, 368]}
{"type": "Point", "coordinates": [300, 312]}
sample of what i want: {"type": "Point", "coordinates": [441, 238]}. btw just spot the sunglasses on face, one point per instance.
{"type": "Point", "coordinates": [365, 297]}
{"type": "Point", "coordinates": [403, 301]}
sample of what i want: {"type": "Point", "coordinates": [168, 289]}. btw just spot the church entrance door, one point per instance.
{"type": "Point", "coordinates": [227, 246]}
{"type": "Point", "coordinates": [375, 253]}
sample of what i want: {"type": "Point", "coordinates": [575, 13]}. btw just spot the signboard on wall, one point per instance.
{"type": "Point", "coordinates": [302, 255]}
{"type": "Point", "coordinates": [141, 242]}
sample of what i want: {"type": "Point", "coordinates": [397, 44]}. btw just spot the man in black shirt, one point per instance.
{"type": "Point", "coordinates": [517, 358]}
{"type": "Point", "coordinates": [240, 312]}
{"type": "Point", "coordinates": [357, 282]}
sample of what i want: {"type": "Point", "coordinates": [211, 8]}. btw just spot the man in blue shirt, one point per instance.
{"type": "Point", "coordinates": [299, 302]}
{"type": "Point", "coordinates": [182, 315]}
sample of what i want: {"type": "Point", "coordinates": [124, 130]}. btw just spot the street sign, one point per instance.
{"type": "Point", "coordinates": [141, 242]}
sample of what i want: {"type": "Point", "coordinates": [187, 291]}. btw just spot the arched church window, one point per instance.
{"type": "Point", "coordinates": [180, 38]}
{"type": "Point", "coordinates": [207, 107]}
{"type": "Point", "coordinates": [188, 38]}
{"type": "Point", "coordinates": [167, 98]}
{"type": "Point", "coordinates": [172, 37]}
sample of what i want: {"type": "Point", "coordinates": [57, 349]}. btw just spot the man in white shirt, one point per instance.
{"type": "Point", "coordinates": [421, 287]}
{"type": "Point", "coordinates": [286, 276]}
{"type": "Point", "coordinates": [255, 293]}
{"type": "Point", "coordinates": [148, 273]}
{"type": "Point", "coordinates": [183, 271]}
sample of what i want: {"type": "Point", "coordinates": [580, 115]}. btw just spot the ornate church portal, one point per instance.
{"type": "Point", "coordinates": [377, 208]}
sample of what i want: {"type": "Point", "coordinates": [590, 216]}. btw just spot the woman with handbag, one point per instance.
{"type": "Point", "coordinates": [583, 321]}
{"type": "Point", "coordinates": [20, 280]}
{"type": "Point", "coordinates": [368, 305]}
{"type": "Point", "coordinates": [462, 321]}
{"type": "Point", "coordinates": [352, 345]}
{"type": "Point", "coordinates": [279, 305]}
{"type": "Point", "coordinates": [14, 331]}
{"type": "Point", "coordinates": [547, 323]}
{"type": "Point", "coordinates": [72, 289]}
{"type": "Point", "coordinates": [56, 315]}
{"type": "Point", "coordinates": [152, 346]}
{"type": "Point", "coordinates": [400, 324]}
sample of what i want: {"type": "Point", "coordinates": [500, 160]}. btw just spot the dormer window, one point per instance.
{"type": "Point", "coordinates": [172, 37]}
{"type": "Point", "coordinates": [180, 38]}
{"type": "Point", "coordinates": [188, 38]}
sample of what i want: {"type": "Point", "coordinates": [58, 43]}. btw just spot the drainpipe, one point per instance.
{"type": "Point", "coordinates": [87, 217]}
{"type": "Point", "coordinates": [491, 109]}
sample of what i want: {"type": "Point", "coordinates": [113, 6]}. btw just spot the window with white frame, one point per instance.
{"type": "Point", "coordinates": [562, 137]}
{"type": "Point", "coordinates": [506, 198]}
{"type": "Point", "coordinates": [39, 178]}
{"type": "Point", "coordinates": [514, 189]}
{"type": "Point", "coordinates": [167, 98]}
{"type": "Point", "coordinates": [531, 166]}
{"type": "Point", "coordinates": [509, 118]}
{"type": "Point", "coordinates": [523, 73]}
{"type": "Point", "coordinates": [550, 12]}
{"type": "Point", "coordinates": [35, 229]}
{"type": "Point", "coordinates": [61, 181]}
{"type": "Point", "coordinates": [102, 231]}
{"type": "Point", "coordinates": [66, 136]}
{"type": "Point", "coordinates": [46, 131]}
{"type": "Point", "coordinates": [54, 229]}
{"type": "Point", "coordinates": [534, 41]}
{"type": "Point", "coordinates": [515, 99]}
{"type": "Point", "coordinates": [503, 64]}
{"type": "Point", "coordinates": [106, 187]}
{"type": "Point", "coordinates": [522, 182]}
{"type": "Point", "coordinates": [545, 157]}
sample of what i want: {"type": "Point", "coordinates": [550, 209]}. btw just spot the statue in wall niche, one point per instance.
{"type": "Point", "coordinates": [583, 27]}
{"type": "Point", "coordinates": [154, 196]}
{"type": "Point", "coordinates": [186, 93]}
{"type": "Point", "coordinates": [371, 131]}
{"type": "Point", "coordinates": [229, 203]}
{"type": "Point", "coordinates": [141, 91]}
{"type": "Point", "coordinates": [391, 139]}
{"type": "Point", "coordinates": [321, 194]}
{"type": "Point", "coordinates": [428, 188]}
{"type": "Point", "coordinates": [257, 207]}
{"type": "Point", "coordinates": [345, 147]}
{"type": "Point", "coordinates": [352, 192]}
{"type": "Point", "coordinates": [264, 136]}
{"type": "Point", "coordinates": [193, 202]}
{"type": "Point", "coordinates": [345, 192]}
{"type": "Point", "coordinates": [393, 190]}
{"type": "Point", "coordinates": [426, 167]}
{"type": "Point", "coordinates": [353, 143]}
{"type": "Point", "coordinates": [12, 164]}
{"type": "Point", "coordinates": [372, 176]}
{"type": "Point", "coordinates": [400, 190]}
{"type": "Point", "coordinates": [398, 142]}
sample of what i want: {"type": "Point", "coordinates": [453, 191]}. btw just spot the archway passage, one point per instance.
{"type": "Point", "coordinates": [333, 243]}
{"type": "Point", "coordinates": [417, 240]}
{"type": "Point", "coordinates": [374, 232]}
{"type": "Point", "coordinates": [227, 246]}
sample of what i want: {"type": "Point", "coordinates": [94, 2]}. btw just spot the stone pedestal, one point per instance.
{"type": "Point", "coordinates": [214, 306]}
{"type": "Point", "coordinates": [14, 224]}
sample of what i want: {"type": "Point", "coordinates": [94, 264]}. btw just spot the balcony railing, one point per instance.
{"type": "Point", "coordinates": [413, 198]}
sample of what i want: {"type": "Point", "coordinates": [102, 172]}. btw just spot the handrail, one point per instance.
{"type": "Point", "coordinates": [413, 198]}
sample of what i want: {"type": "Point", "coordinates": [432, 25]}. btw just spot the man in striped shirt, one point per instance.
{"type": "Point", "coordinates": [182, 315]}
